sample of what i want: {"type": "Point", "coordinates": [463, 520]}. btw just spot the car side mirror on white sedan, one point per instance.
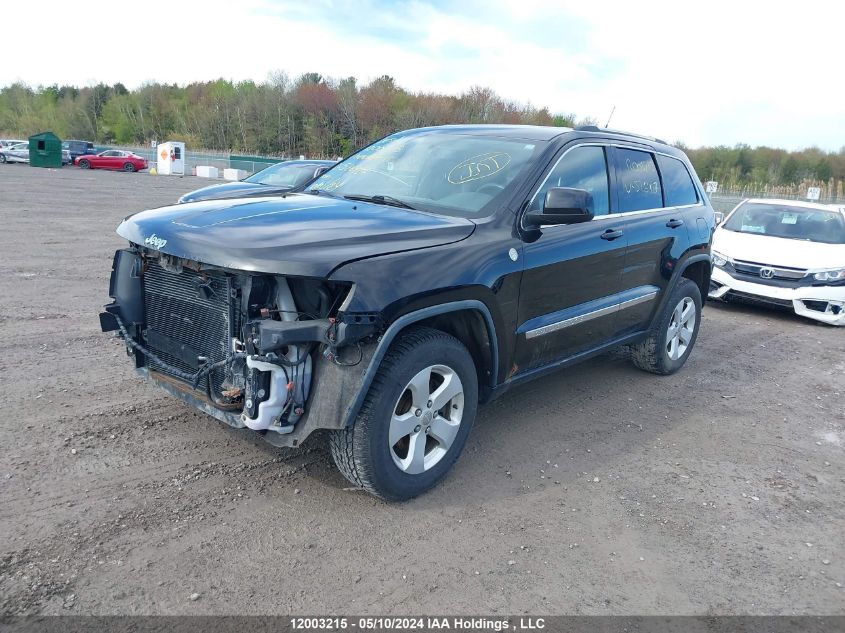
{"type": "Point", "coordinates": [720, 217]}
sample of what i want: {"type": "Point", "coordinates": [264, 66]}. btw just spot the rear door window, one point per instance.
{"type": "Point", "coordinates": [637, 181]}
{"type": "Point", "coordinates": [678, 187]}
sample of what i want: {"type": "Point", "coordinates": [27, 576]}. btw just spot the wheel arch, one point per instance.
{"type": "Point", "coordinates": [456, 318]}
{"type": "Point", "coordinates": [698, 269]}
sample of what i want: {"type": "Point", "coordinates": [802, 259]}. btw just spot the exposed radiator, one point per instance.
{"type": "Point", "coordinates": [184, 320]}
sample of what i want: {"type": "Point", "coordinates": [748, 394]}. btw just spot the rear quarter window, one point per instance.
{"type": "Point", "coordinates": [678, 188]}
{"type": "Point", "coordinates": [637, 180]}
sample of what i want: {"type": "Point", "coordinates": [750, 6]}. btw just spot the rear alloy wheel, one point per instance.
{"type": "Point", "coordinates": [415, 419]}
{"type": "Point", "coordinates": [128, 167]}
{"type": "Point", "coordinates": [674, 333]}
{"type": "Point", "coordinates": [84, 164]}
{"type": "Point", "coordinates": [681, 328]}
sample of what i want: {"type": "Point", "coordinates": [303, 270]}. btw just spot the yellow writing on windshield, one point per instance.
{"type": "Point", "coordinates": [477, 167]}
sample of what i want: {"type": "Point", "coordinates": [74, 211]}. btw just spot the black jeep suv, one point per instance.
{"type": "Point", "coordinates": [428, 272]}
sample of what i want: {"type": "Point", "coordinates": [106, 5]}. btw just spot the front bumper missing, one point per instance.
{"type": "Point", "coordinates": [820, 303]}
{"type": "Point", "coordinates": [191, 397]}
{"type": "Point", "coordinates": [333, 388]}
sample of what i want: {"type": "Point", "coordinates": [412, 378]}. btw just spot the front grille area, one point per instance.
{"type": "Point", "coordinates": [180, 312]}
{"type": "Point", "coordinates": [752, 269]}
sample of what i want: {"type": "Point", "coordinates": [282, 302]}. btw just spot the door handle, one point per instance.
{"type": "Point", "coordinates": [611, 234]}
{"type": "Point", "coordinates": [674, 224]}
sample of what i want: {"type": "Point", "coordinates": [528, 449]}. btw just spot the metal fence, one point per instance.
{"type": "Point", "coordinates": [726, 201]}
{"type": "Point", "coordinates": [220, 160]}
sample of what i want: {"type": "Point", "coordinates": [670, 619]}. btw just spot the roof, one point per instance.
{"type": "Point", "coordinates": [606, 130]}
{"type": "Point", "coordinates": [526, 132]}
{"type": "Point", "coordinates": [544, 133]}
{"type": "Point", "coordinates": [45, 135]}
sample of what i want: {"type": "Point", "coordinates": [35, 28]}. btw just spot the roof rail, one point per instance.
{"type": "Point", "coordinates": [595, 128]}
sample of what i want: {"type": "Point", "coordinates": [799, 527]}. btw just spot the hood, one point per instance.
{"type": "Point", "coordinates": [232, 190]}
{"type": "Point", "coordinates": [299, 234]}
{"type": "Point", "coordinates": [778, 251]}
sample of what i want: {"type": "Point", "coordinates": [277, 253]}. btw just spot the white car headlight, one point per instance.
{"type": "Point", "coordinates": [835, 274]}
{"type": "Point", "coordinates": [719, 259]}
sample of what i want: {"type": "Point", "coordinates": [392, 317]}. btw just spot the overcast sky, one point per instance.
{"type": "Point", "coordinates": [705, 73]}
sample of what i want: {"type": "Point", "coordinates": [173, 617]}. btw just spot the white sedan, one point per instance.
{"type": "Point", "coordinates": [15, 153]}
{"type": "Point", "coordinates": [783, 253]}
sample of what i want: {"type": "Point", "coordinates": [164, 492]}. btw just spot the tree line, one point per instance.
{"type": "Point", "coordinates": [309, 114]}
{"type": "Point", "coordinates": [323, 117]}
{"type": "Point", "coordinates": [760, 168]}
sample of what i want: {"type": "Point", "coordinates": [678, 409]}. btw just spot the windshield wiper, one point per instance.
{"type": "Point", "coordinates": [323, 192]}
{"type": "Point", "coordinates": [379, 199]}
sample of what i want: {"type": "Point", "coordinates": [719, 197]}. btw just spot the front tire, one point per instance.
{"type": "Point", "coordinates": [2, 158]}
{"type": "Point", "coordinates": [674, 334]}
{"type": "Point", "coordinates": [415, 419]}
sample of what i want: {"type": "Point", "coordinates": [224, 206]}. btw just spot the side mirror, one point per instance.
{"type": "Point", "coordinates": [720, 217]}
{"type": "Point", "coordinates": [563, 206]}
{"type": "Point", "coordinates": [320, 171]}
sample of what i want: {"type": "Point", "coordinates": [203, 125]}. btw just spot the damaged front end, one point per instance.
{"type": "Point", "coordinates": [271, 353]}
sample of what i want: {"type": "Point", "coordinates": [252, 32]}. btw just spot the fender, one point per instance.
{"type": "Point", "coordinates": [692, 259]}
{"type": "Point", "coordinates": [679, 271]}
{"type": "Point", "coordinates": [413, 317]}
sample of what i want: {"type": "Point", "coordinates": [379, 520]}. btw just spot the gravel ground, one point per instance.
{"type": "Point", "coordinates": [597, 490]}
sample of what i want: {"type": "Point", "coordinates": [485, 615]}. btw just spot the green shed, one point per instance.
{"type": "Point", "coordinates": [45, 150]}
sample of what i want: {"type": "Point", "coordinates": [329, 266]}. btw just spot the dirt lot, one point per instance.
{"type": "Point", "coordinates": [598, 490]}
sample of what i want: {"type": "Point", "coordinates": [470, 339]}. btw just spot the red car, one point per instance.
{"type": "Point", "coordinates": [112, 159]}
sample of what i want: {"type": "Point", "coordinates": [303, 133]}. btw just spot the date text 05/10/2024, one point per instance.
{"type": "Point", "coordinates": [431, 623]}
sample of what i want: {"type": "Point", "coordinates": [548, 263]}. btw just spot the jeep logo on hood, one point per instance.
{"type": "Point", "coordinates": [155, 242]}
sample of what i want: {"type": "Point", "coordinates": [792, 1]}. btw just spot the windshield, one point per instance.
{"type": "Point", "coordinates": [789, 222]}
{"type": "Point", "coordinates": [447, 173]}
{"type": "Point", "coordinates": [283, 175]}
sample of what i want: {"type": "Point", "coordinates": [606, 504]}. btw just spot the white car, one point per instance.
{"type": "Point", "coordinates": [15, 153]}
{"type": "Point", "coordinates": [784, 253]}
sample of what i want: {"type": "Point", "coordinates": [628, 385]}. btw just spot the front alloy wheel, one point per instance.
{"type": "Point", "coordinates": [415, 419]}
{"type": "Point", "coordinates": [426, 419]}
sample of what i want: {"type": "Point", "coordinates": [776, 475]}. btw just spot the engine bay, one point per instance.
{"type": "Point", "coordinates": [247, 342]}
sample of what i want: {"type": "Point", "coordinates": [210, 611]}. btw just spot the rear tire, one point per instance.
{"type": "Point", "coordinates": [84, 164]}
{"type": "Point", "coordinates": [2, 158]}
{"type": "Point", "coordinates": [675, 331]}
{"type": "Point", "coordinates": [128, 167]}
{"type": "Point", "coordinates": [415, 419]}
